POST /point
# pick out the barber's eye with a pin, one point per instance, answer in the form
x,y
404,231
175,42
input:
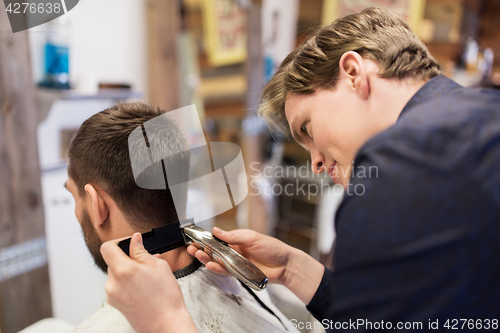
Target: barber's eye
x,y
304,128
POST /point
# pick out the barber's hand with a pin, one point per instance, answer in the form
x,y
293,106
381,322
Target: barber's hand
x,y
144,289
269,254
281,263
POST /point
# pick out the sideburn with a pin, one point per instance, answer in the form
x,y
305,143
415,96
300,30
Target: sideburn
x,y
93,241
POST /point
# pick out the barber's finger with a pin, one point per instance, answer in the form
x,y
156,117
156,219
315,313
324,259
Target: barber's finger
x,y
237,237
202,257
206,260
192,250
110,288
110,251
216,268
137,250
112,254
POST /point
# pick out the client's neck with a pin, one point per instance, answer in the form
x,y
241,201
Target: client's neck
x,y
177,258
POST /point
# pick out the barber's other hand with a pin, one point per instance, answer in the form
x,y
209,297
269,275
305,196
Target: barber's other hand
x,y
144,289
282,263
269,254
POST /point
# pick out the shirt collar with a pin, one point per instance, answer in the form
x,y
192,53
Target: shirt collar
x,y
189,269
436,87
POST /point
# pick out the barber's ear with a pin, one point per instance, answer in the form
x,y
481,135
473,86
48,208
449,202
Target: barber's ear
x,y
100,209
353,72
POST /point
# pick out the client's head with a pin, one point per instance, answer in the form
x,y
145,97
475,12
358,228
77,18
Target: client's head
x,y
108,203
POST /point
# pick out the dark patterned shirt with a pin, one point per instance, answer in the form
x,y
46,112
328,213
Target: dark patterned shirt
x,y
421,243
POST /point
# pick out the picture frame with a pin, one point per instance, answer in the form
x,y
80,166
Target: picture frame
x,y
225,37
411,10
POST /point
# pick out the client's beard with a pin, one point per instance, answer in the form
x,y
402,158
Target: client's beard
x,y
93,241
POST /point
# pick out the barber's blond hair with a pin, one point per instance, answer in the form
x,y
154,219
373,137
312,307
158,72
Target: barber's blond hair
x,y
374,33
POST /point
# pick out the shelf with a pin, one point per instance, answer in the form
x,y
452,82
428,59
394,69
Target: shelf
x,y
45,97
115,94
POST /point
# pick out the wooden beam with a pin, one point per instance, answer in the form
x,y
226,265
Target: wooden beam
x,y
257,213
164,22
24,299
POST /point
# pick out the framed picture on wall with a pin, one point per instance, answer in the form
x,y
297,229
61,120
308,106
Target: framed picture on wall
x,y
410,10
224,26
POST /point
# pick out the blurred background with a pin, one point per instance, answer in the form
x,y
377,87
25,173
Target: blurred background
x,y
216,54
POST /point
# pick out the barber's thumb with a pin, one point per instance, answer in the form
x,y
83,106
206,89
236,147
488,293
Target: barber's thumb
x,y
230,237
234,237
137,250
218,232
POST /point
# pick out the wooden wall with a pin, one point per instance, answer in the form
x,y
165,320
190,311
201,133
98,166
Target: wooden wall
x,y
163,26
24,299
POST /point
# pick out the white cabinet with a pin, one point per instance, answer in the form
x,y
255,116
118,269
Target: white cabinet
x,y
77,285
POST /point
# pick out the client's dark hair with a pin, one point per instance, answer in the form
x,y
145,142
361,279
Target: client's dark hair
x,y
99,154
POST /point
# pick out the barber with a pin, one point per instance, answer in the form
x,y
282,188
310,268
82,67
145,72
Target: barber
x,y
417,238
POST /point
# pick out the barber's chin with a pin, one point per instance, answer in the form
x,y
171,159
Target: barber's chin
x,y
343,182
340,181
337,173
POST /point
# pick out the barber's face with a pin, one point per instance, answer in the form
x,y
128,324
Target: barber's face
x,y
332,125
90,235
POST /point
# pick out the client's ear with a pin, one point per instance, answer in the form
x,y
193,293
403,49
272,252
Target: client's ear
x,y
100,209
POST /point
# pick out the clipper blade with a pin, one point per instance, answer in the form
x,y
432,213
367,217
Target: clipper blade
x,y
185,223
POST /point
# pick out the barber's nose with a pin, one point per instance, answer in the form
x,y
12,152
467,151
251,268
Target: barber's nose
x,y
317,162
